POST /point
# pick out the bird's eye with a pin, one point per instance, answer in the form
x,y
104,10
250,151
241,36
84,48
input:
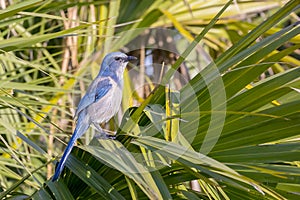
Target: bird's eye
x,y
117,58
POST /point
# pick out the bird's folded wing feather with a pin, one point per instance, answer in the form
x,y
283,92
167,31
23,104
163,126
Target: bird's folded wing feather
x,y
94,93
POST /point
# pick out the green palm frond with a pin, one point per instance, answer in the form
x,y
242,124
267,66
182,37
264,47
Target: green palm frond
x,y
217,119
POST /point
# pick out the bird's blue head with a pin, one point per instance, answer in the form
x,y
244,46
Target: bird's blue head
x,y
114,64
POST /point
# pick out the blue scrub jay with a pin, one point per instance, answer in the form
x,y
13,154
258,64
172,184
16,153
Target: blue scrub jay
x,y
101,101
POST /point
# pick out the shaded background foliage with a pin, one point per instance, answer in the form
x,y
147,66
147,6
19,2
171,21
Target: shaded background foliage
x,y
50,51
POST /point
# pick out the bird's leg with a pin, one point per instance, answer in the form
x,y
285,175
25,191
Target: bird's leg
x,y
103,134
111,134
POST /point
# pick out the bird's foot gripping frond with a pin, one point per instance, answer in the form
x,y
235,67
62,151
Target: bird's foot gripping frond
x,y
104,135
112,137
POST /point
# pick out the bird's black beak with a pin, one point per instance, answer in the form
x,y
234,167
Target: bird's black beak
x,y
129,58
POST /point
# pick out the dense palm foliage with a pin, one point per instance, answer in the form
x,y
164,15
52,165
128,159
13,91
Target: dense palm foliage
x,y
210,111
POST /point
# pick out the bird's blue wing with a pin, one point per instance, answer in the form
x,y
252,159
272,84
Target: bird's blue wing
x,y
102,89
94,93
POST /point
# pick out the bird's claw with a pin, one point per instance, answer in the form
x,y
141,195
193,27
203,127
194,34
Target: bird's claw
x,y
112,137
105,136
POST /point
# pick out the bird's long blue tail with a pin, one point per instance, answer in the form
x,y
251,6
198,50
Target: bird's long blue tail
x,y
79,131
